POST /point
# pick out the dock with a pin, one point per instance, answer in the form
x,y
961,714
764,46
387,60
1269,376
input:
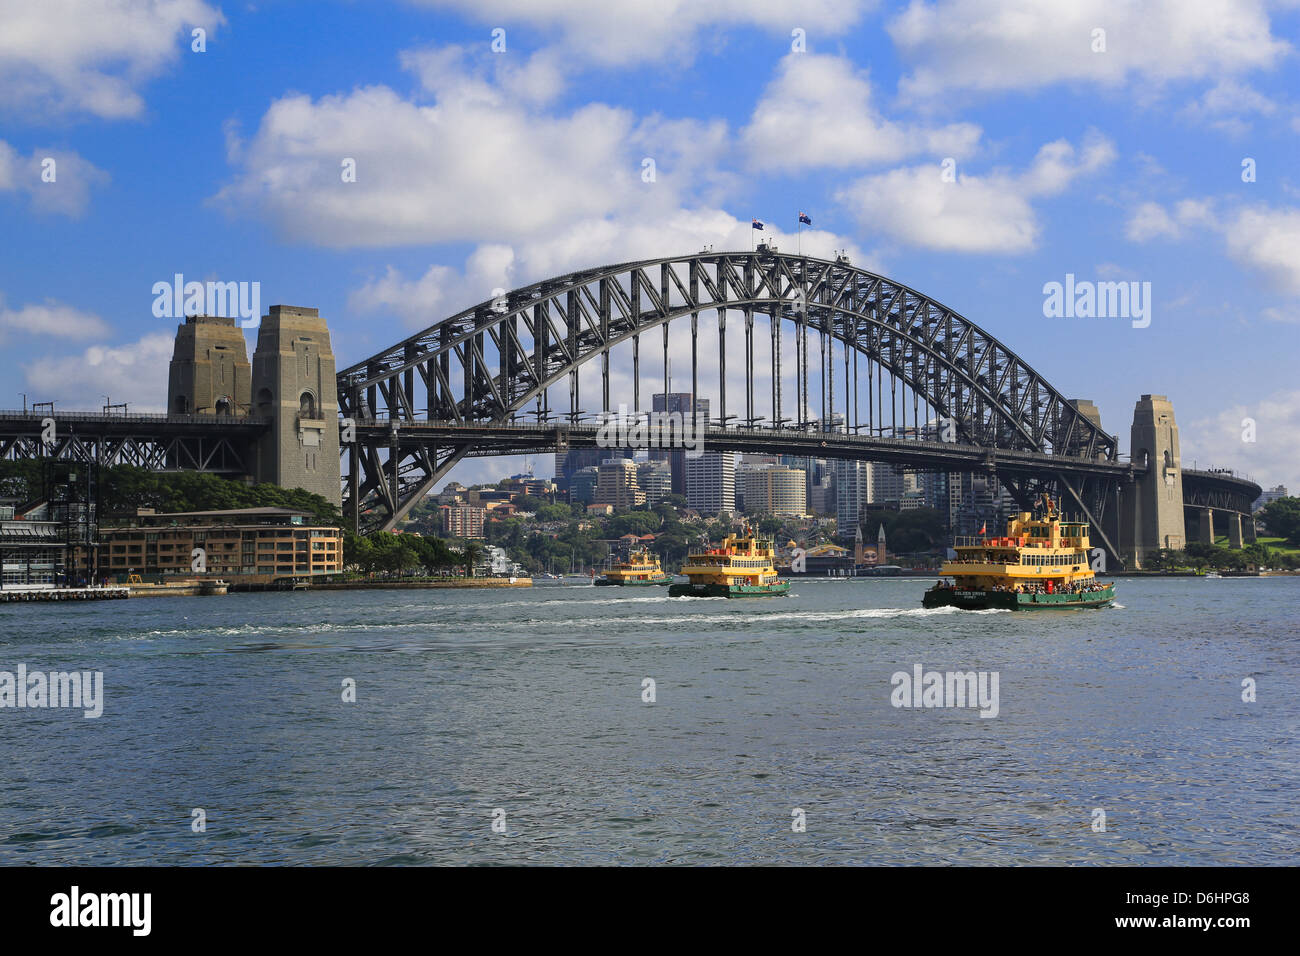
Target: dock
x,y
11,595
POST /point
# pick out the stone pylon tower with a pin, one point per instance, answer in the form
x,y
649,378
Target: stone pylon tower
x,y
294,385
209,372
1151,514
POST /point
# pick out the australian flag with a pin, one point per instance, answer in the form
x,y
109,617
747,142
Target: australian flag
x,y
805,219
757,225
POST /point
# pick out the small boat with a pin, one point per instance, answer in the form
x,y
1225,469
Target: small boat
x,y
1212,574
641,569
742,566
1041,563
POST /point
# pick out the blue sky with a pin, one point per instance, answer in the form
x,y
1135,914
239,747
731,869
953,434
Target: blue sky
x,y
479,169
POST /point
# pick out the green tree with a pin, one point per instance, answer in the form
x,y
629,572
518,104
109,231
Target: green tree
x,y
471,552
1282,518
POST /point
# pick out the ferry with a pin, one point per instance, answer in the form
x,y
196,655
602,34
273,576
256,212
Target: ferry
x,y
742,566
641,569
1041,563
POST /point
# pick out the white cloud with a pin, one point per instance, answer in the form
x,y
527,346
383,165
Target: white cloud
x,y
818,111
454,72
89,56
441,291
1150,220
51,318
996,45
416,181
135,373
625,32
54,180
1227,106
1260,237
1267,240
1216,441
992,213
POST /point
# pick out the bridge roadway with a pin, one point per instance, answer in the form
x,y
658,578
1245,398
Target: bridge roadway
x,y
520,439
225,445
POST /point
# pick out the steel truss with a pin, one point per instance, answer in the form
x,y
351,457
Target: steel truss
x,y
488,364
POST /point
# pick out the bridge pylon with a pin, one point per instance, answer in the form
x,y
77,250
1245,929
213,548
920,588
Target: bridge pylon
x,y
294,384
1151,514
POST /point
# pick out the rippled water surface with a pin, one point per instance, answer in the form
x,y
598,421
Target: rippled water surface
x,y
531,701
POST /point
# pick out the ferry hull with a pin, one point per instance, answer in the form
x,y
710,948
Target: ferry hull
x,y
777,589
648,583
976,600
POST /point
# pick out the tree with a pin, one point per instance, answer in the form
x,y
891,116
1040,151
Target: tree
x,y
470,556
1282,518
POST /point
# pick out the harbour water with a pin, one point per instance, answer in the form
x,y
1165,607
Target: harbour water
x,y
528,707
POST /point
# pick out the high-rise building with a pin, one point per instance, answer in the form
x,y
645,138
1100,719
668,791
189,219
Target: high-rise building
x,y
821,496
569,463
616,484
888,483
773,489
582,485
711,482
852,488
681,403
655,479
463,521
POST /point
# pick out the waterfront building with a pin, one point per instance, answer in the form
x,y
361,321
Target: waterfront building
x,y
240,545
32,546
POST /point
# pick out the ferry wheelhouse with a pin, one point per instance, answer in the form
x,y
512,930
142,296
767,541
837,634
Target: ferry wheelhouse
x,y
742,566
1041,563
641,569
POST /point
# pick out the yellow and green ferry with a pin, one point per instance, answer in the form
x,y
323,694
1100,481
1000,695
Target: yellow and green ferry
x,y
742,566
1041,563
641,569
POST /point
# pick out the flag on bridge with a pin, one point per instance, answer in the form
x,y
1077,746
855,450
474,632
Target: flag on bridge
x,y
805,219
757,225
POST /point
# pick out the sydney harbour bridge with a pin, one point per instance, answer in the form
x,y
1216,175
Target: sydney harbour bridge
x,y
880,372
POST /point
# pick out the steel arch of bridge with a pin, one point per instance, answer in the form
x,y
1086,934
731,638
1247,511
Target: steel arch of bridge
x,y
484,365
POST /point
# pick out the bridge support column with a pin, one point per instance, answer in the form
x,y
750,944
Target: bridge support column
x,y
295,386
1234,529
1248,525
1206,528
1152,513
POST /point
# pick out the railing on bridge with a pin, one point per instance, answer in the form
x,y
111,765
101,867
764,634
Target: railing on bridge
x,y
142,417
